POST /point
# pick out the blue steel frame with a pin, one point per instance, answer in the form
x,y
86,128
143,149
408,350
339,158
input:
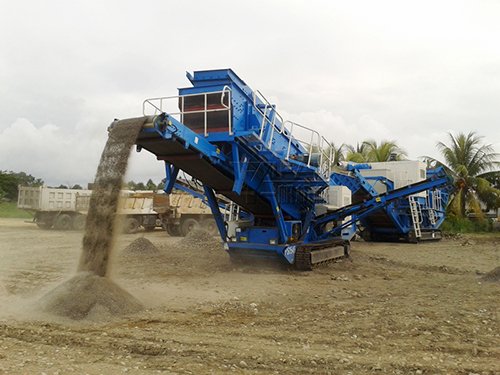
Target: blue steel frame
x,y
254,154
398,211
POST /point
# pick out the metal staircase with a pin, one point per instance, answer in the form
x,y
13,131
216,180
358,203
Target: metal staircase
x,y
416,215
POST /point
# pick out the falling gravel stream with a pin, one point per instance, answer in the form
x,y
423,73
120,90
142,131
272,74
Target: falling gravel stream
x,y
90,287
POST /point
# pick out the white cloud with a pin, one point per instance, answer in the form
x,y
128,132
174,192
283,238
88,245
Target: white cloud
x,y
58,157
49,152
350,70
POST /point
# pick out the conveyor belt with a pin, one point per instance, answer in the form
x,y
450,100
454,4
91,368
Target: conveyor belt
x,y
188,160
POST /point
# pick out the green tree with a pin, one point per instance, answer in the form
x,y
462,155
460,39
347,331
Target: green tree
x,y
356,154
130,185
140,186
383,151
10,180
494,179
471,163
371,151
161,185
150,185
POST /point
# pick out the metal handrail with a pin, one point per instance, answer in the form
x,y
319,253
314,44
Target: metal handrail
x,y
158,105
265,116
329,158
437,200
309,146
435,205
271,118
227,89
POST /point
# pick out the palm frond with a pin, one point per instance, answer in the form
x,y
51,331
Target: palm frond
x,y
470,162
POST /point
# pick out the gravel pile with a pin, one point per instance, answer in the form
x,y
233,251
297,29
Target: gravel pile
x,y
453,236
492,276
86,293
141,246
200,239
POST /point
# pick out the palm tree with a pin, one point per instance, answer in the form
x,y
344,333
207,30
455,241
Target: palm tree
x,y
383,151
356,154
333,155
470,163
370,151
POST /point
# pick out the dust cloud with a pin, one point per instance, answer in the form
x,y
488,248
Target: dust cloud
x,y
90,288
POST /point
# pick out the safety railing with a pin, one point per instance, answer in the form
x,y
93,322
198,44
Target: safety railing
x,y
270,117
189,108
432,216
434,204
319,151
437,200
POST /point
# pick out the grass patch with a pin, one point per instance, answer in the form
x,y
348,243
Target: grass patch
x,y
10,210
454,225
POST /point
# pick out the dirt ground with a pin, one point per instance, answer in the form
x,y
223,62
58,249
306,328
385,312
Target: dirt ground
x,y
391,308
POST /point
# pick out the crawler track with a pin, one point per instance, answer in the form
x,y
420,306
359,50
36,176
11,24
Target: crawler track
x,y
308,257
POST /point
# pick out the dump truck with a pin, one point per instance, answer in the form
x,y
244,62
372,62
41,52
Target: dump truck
x,y
182,212
52,207
66,209
135,209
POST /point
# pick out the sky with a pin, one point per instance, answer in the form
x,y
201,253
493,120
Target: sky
x,y
409,71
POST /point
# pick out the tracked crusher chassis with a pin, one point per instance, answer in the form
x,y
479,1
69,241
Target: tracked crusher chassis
x,y
232,140
308,257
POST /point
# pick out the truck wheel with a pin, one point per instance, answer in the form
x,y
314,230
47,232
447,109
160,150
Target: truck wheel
x,y
79,222
63,222
210,226
44,225
173,230
189,225
131,226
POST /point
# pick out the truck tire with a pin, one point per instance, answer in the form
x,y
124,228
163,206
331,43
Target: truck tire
x,y
173,230
131,226
44,225
210,226
79,222
188,225
63,222
43,221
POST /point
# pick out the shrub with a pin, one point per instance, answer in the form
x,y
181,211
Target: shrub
x,y
453,224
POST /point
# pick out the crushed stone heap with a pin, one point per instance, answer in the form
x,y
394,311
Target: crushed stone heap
x,y
200,239
80,295
141,245
492,276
